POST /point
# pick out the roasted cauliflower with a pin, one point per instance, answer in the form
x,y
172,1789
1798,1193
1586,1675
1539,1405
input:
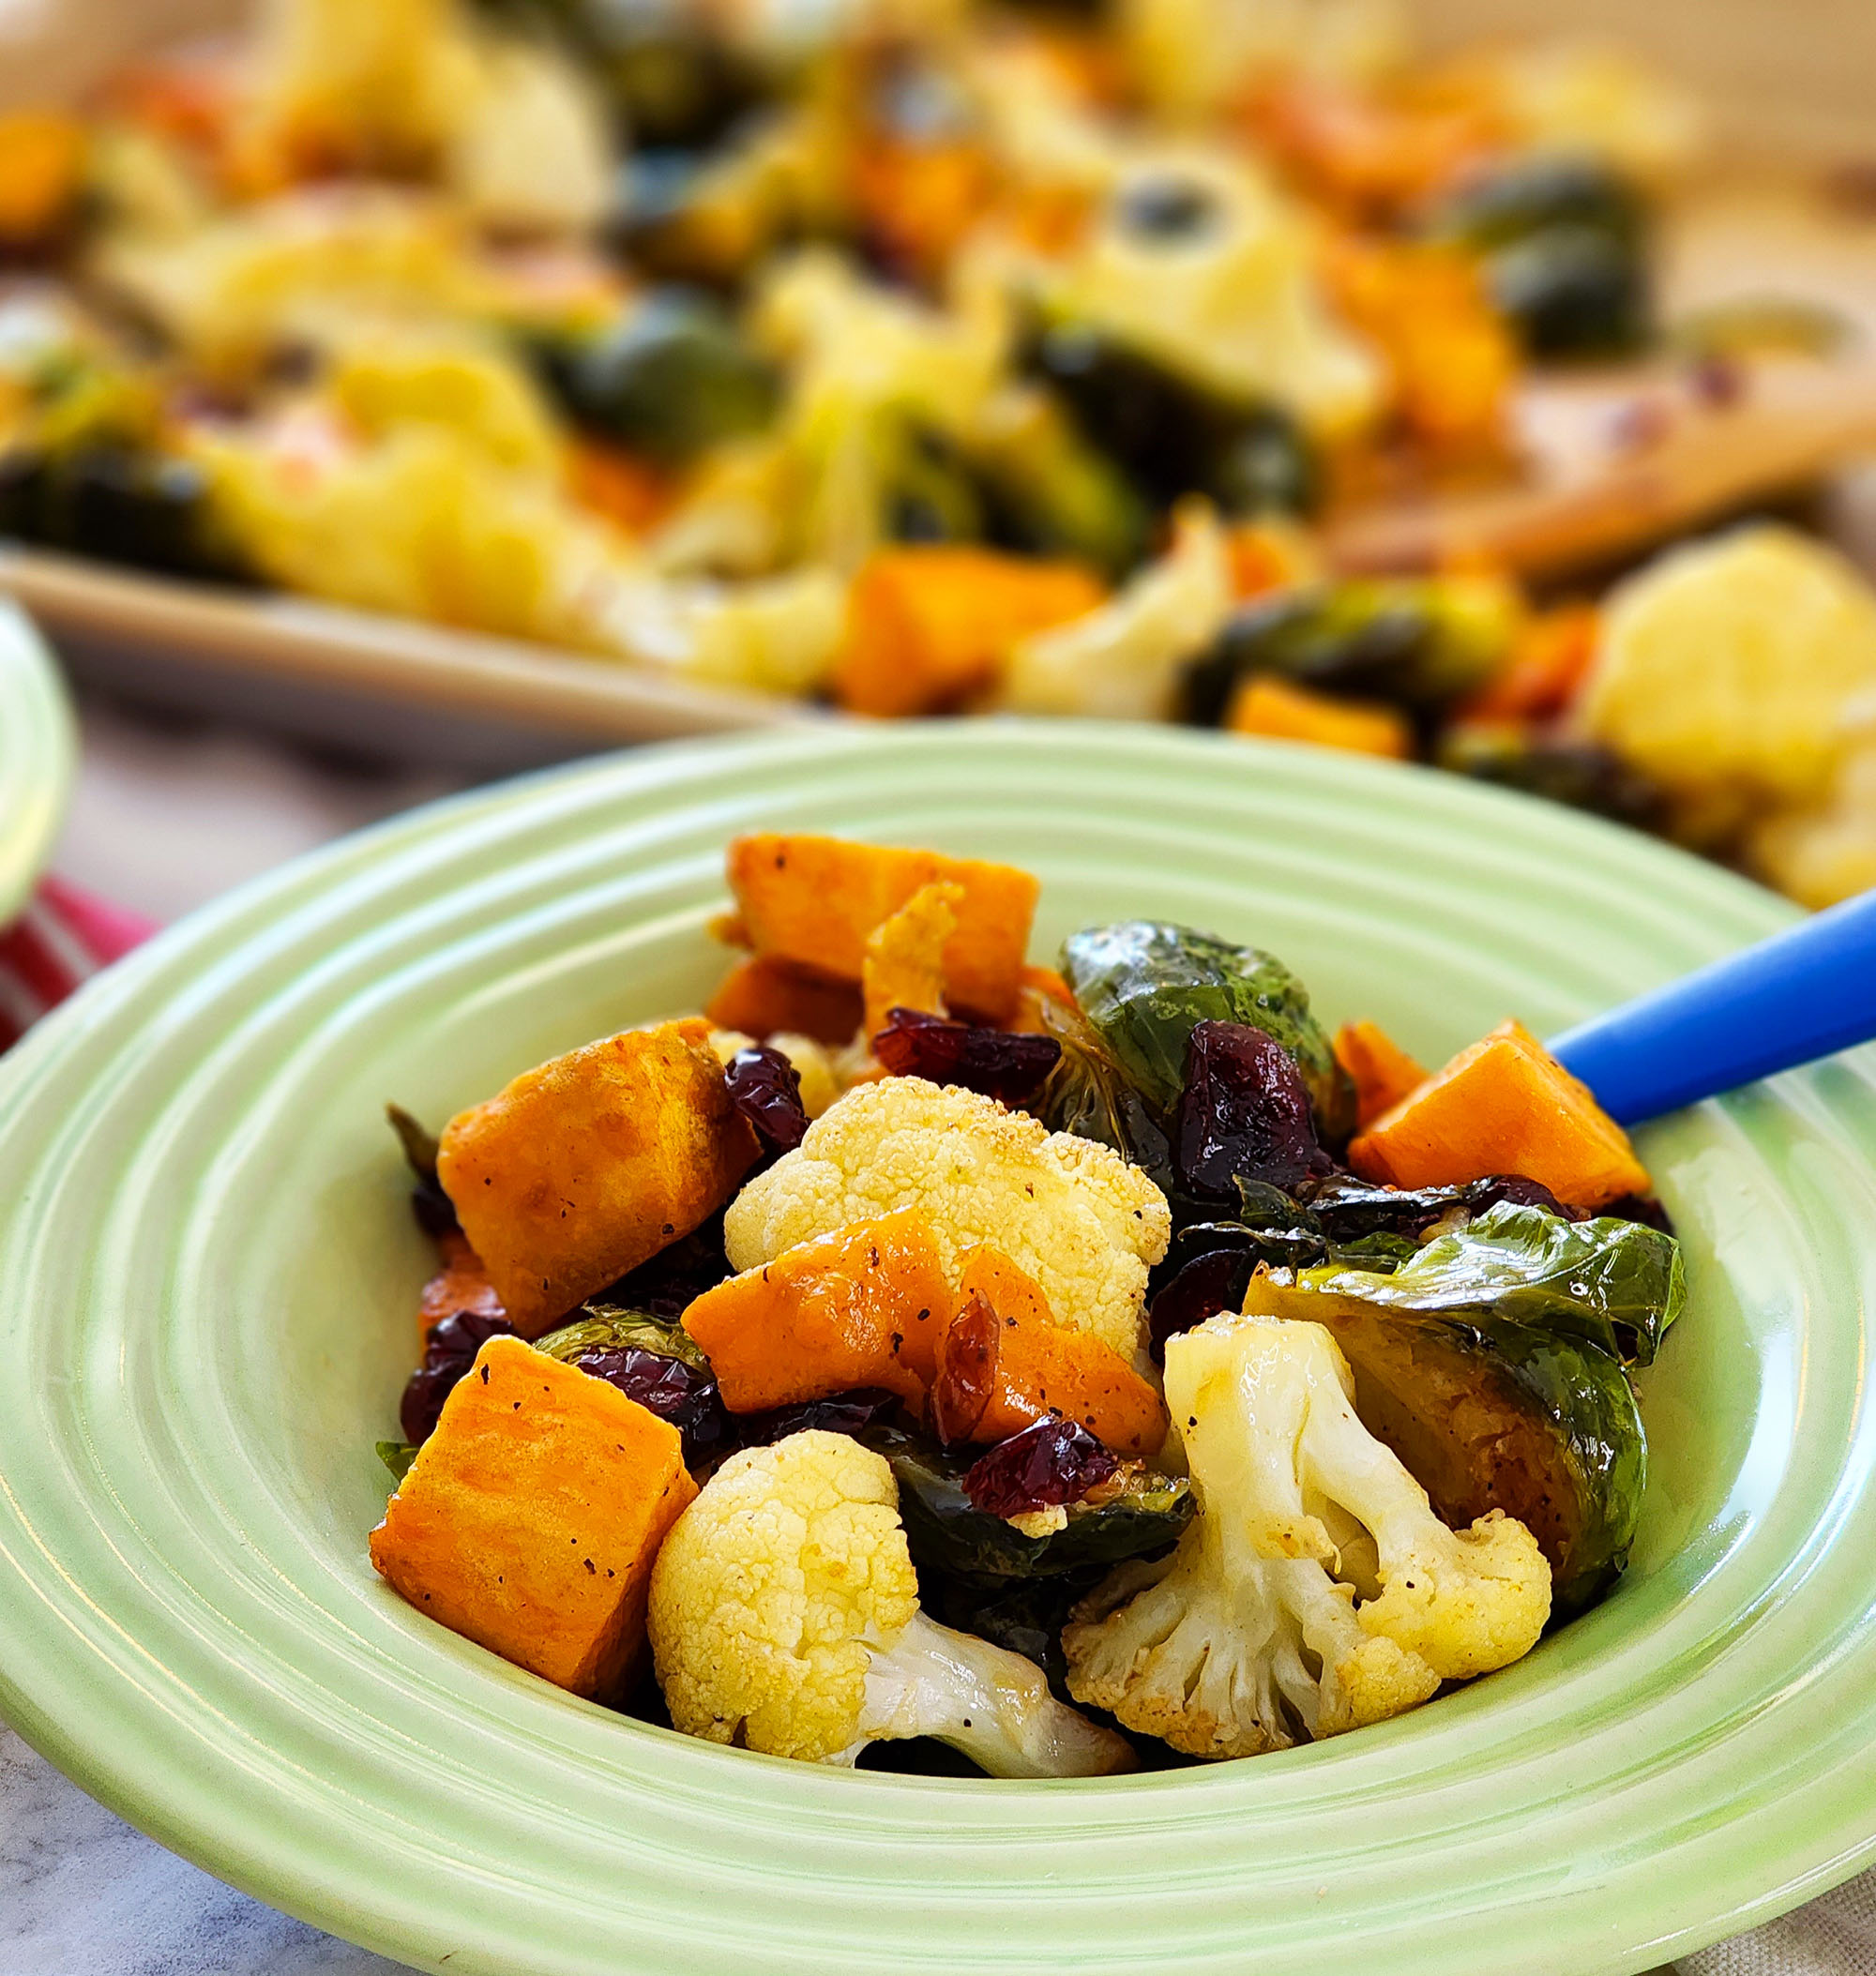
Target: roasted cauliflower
x,y
785,1618
1255,1633
1072,1215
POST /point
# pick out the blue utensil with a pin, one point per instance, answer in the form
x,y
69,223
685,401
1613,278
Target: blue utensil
x,y
1800,995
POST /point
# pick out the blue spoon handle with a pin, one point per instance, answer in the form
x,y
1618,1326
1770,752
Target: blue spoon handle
x,y
1800,995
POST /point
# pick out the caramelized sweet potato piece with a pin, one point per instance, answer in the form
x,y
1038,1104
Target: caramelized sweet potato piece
x,y
1503,1106
813,901
1273,708
862,1306
42,154
530,1518
588,1164
461,1283
929,623
767,996
1004,1362
1384,1073
904,963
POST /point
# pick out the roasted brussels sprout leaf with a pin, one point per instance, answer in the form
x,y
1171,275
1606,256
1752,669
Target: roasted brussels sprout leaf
x,y
119,501
611,1327
1089,1094
667,378
1170,434
1581,773
1137,1513
1491,1414
1418,643
1046,491
842,1413
397,1455
1347,1209
435,1211
1617,1285
1144,985
1533,194
1574,292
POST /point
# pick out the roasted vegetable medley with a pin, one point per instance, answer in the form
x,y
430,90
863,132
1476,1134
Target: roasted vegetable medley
x,y
923,356
1080,1369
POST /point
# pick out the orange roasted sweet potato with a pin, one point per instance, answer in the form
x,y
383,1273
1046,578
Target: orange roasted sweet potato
x,y
1503,1106
767,996
461,1283
1384,1073
931,622
588,1164
1004,1362
42,154
862,1306
813,901
1281,711
530,1518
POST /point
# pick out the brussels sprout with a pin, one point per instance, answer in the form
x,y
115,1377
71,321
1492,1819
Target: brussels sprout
x,y
607,1327
1491,1414
1048,492
1173,436
1534,194
1565,253
1139,1514
926,494
1615,1285
120,503
435,1211
397,1455
1573,291
1417,641
1579,773
667,380
1144,986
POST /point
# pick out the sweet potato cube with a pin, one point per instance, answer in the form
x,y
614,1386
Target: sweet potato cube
x,y
1384,1073
929,623
862,1306
1004,1362
1275,708
531,1517
767,996
1503,1106
814,900
586,1166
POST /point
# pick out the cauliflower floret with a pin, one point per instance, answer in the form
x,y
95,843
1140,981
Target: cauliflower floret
x,y
1072,1215
1122,661
1248,1638
1728,671
785,1618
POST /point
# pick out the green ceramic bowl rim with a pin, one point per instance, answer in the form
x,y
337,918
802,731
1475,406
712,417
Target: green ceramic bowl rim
x,y
36,752
1675,1769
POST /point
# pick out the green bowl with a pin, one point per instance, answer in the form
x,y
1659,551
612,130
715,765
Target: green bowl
x,y
207,1279
36,756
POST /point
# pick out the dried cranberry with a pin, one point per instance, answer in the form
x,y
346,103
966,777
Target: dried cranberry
x,y
1201,1288
1003,1065
672,1280
687,1398
844,1413
1644,1208
765,1089
449,1349
1243,1113
1049,1463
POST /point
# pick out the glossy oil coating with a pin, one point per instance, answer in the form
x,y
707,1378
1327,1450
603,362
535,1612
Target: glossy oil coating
x,y
206,1272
